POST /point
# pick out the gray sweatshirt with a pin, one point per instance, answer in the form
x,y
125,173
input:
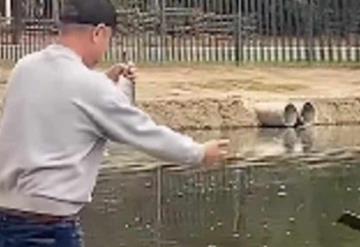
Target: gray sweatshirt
x,y
57,117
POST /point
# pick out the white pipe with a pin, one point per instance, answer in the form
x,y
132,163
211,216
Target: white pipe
x,y
8,11
276,114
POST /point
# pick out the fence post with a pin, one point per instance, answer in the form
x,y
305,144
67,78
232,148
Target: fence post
x,y
8,11
56,11
162,30
17,22
238,33
310,44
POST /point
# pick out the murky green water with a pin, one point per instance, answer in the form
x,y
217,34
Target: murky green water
x,y
287,189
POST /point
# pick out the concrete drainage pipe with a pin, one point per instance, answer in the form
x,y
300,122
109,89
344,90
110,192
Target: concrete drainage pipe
x,y
307,113
277,114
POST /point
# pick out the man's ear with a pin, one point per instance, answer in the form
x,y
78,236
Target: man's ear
x,y
98,31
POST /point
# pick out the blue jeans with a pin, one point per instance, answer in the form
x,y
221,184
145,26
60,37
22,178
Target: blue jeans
x,y
20,232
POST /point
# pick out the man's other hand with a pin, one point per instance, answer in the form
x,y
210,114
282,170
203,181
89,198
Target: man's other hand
x,y
215,151
126,70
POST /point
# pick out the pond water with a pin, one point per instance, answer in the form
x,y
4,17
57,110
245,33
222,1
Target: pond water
x,y
285,188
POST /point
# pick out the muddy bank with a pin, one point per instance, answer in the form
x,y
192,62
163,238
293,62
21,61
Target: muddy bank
x,y
201,113
235,111
214,97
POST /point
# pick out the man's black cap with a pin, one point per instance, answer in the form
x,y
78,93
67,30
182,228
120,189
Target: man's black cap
x,y
92,12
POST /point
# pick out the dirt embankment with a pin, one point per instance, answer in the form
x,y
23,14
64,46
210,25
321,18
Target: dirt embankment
x,y
211,97
218,96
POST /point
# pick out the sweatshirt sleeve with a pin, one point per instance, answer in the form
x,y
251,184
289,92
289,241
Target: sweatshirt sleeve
x,y
119,121
126,87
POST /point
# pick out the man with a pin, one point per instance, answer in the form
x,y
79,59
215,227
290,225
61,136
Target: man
x,y
57,117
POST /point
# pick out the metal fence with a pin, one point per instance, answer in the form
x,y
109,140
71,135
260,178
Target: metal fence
x,y
234,31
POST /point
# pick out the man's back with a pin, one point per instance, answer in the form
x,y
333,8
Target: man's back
x,y
43,130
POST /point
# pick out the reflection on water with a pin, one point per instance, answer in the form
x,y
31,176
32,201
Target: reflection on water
x,y
287,189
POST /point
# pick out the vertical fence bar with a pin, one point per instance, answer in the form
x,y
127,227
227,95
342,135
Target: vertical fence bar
x,y
190,8
162,31
152,34
228,35
233,32
289,30
326,32
320,33
246,31
125,32
357,31
299,32
273,27
238,47
339,30
357,36
2,35
200,35
309,39
136,22
222,30
330,32
208,29
346,23
142,28
177,34
283,48
217,22
175,46
254,47
268,34
261,33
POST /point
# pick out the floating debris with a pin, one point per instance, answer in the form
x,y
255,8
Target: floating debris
x,y
180,194
148,185
282,194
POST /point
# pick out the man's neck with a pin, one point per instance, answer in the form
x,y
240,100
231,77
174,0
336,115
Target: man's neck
x,y
75,46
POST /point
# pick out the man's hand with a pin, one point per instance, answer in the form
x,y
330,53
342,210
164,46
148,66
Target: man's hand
x,y
126,70
215,151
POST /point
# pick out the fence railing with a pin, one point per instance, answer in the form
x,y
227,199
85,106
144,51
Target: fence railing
x,y
234,31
